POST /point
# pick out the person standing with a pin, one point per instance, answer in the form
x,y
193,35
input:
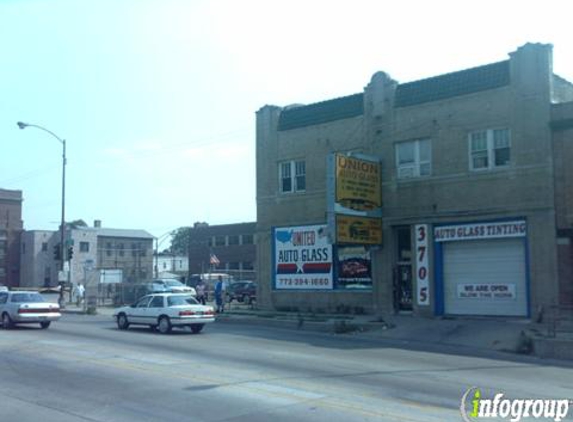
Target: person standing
x,y
200,289
219,295
80,291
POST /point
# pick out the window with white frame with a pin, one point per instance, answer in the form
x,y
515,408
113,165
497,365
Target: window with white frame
x,y
292,176
489,149
413,158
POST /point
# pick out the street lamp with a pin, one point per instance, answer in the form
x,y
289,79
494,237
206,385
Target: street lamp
x,y
22,125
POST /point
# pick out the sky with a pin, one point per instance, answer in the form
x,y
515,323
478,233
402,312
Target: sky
x,y
156,99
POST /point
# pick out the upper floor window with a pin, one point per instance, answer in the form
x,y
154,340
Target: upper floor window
x,y
219,240
84,247
292,176
44,246
413,158
233,239
247,239
489,149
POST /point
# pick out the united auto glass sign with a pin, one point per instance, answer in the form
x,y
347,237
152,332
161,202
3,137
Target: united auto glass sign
x,y
474,231
302,258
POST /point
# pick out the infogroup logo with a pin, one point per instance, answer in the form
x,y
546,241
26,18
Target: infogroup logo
x,y
475,407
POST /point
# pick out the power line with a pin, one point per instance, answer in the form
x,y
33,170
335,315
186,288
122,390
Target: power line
x,y
29,175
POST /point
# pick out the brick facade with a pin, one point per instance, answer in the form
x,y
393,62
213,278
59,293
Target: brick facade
x,y
515,95
232,244
10,228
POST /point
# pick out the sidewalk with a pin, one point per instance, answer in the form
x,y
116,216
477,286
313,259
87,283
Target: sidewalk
x,y
474,333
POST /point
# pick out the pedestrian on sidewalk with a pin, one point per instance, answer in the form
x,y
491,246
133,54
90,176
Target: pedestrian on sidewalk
x,y
79,294
200,289
219,295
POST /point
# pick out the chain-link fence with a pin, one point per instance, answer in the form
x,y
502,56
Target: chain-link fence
x,y
117,294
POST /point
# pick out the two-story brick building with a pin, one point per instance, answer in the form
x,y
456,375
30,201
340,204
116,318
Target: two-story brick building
x,y
232,245
126,252
10,228
476,204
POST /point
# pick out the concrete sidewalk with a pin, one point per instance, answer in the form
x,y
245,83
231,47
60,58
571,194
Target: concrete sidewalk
x,y
474,333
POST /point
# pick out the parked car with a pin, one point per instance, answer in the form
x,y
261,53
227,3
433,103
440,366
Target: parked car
x,y
242,291
166,285
165,311
3,288
21,307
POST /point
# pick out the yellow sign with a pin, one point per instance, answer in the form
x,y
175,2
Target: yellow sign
x,y
360,230
357,183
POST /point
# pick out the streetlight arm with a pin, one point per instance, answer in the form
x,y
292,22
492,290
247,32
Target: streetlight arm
x,y
23,125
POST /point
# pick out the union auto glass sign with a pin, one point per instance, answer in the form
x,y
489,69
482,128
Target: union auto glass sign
x,y
302,258
357,184
474,231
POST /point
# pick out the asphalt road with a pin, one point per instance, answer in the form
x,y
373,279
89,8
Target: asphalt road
x,y
83,369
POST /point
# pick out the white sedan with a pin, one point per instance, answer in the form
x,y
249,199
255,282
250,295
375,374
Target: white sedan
x,y
165,311
18,307
169,285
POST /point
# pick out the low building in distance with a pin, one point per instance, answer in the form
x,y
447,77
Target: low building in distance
x,y
119,255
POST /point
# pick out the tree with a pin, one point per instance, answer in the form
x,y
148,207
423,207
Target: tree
x,y
76,224
180,241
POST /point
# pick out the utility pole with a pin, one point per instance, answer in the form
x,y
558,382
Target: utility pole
x,y
23,125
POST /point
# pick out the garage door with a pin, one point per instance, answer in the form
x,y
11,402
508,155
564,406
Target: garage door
x,y
485,277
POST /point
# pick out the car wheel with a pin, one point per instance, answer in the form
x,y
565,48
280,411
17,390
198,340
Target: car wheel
x,y
7,322
196,328
164,325
122,322
45,324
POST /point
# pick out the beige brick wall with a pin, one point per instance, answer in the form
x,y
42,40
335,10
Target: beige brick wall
x,y
453,193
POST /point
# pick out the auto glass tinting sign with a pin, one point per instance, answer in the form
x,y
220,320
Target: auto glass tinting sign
x,y
303,258
475,231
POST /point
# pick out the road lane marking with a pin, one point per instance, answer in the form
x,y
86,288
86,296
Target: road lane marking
x,y
298,392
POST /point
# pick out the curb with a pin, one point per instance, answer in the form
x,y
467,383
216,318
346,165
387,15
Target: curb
x,y
553,348
342,326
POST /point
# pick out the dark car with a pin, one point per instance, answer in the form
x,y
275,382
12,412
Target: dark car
x,y
242,291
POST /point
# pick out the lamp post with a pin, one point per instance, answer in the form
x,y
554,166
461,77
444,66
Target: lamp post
x,y
22,125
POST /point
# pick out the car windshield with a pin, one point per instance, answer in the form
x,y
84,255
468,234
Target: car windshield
x,y
173,283
27,297
181,300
